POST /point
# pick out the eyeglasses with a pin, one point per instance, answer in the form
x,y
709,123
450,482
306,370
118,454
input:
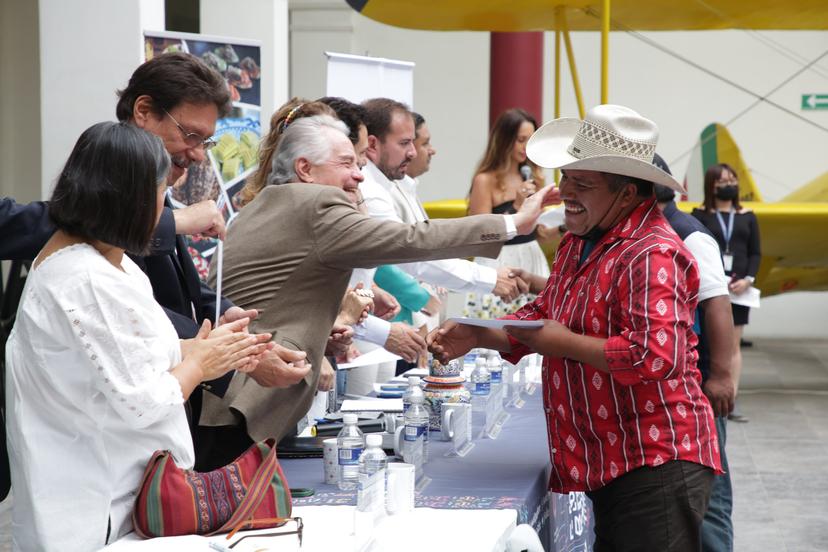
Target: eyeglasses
x,y
269,521
192,139
727,182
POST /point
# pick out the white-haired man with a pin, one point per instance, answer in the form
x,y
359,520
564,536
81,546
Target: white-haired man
x,y
628,422
290,254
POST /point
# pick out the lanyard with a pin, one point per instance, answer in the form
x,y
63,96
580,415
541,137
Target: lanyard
x,y
727,232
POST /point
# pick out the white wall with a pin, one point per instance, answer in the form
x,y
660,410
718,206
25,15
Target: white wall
x,y
794,315
88,50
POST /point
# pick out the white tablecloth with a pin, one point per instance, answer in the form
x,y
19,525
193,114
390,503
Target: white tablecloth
x,y
330,528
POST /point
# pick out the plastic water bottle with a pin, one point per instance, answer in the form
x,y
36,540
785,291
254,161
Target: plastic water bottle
x,y
415,444
349,445
480,387
471,357
495,367
481,380
413,389
372,464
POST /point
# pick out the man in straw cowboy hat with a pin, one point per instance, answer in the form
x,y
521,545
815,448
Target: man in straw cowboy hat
x,y
627,420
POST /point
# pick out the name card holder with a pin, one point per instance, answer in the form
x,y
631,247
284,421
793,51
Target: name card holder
x,y
457,421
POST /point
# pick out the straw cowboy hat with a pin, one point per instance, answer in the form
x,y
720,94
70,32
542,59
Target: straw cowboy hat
x,y
612,139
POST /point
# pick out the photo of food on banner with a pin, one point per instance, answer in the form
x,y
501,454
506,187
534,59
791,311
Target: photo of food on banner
x,y
234,158
238,64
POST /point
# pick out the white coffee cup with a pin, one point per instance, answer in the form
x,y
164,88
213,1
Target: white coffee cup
x,y
447,424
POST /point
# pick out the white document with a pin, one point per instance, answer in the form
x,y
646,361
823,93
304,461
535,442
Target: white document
x,y
377,356
498,324
748,298
372,405
553,217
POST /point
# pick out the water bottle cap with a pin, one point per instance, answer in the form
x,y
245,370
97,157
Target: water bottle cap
x,y
373,440
413,380
480,361
350,418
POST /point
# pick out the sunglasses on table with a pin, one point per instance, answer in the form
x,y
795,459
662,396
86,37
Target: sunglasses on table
x,y
253,523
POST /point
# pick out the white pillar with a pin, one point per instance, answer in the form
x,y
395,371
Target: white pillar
x,y
88,50
262,20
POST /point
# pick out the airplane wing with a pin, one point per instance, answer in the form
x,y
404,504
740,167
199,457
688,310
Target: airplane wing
x,y
584,15
793,243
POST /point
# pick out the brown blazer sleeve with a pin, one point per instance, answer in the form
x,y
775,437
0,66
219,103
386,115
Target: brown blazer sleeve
x,y
345,238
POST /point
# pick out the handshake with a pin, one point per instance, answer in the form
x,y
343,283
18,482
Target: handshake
x,y
512,282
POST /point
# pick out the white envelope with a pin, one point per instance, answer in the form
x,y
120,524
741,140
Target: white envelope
x,y
498,324
748,298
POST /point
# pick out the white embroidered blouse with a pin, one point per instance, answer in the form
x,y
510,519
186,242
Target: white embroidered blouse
x,y
89,398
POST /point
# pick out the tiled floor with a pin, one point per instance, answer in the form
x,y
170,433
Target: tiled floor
x,y
779,460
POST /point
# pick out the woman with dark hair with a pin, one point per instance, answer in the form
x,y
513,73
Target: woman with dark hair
x,y
503,180
96,377
737,231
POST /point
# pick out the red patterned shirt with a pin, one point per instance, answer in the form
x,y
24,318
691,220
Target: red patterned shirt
x,y
637,289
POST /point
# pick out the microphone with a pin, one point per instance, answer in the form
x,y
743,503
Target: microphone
x,y
526,172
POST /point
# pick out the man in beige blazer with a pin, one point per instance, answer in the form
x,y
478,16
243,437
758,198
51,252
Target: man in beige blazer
x,y
290,253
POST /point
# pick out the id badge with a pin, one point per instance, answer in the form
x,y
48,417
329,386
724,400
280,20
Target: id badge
x,y
727,261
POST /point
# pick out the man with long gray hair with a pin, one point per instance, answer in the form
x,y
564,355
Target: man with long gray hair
x,y
290,254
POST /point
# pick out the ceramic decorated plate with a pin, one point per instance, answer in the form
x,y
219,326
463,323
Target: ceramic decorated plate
x,y
451,380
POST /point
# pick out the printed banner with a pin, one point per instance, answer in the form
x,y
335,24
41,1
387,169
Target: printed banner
x,y
235,157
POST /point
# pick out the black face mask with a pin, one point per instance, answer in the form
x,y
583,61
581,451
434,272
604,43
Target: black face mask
x,y
727,193
596,232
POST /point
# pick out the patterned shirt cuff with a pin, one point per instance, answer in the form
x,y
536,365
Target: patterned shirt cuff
x,y
618,352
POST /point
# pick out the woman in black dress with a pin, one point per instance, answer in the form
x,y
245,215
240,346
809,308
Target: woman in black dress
x,y
737,232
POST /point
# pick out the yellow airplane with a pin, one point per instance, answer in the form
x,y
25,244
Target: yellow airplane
x,y
793,238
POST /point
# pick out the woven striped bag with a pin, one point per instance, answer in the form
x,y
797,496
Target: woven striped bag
x,y
173,502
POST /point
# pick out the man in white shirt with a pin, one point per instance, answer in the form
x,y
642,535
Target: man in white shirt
x,y
404,192
391,149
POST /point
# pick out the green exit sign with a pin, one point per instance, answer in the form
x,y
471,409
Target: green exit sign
x,y
814,101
